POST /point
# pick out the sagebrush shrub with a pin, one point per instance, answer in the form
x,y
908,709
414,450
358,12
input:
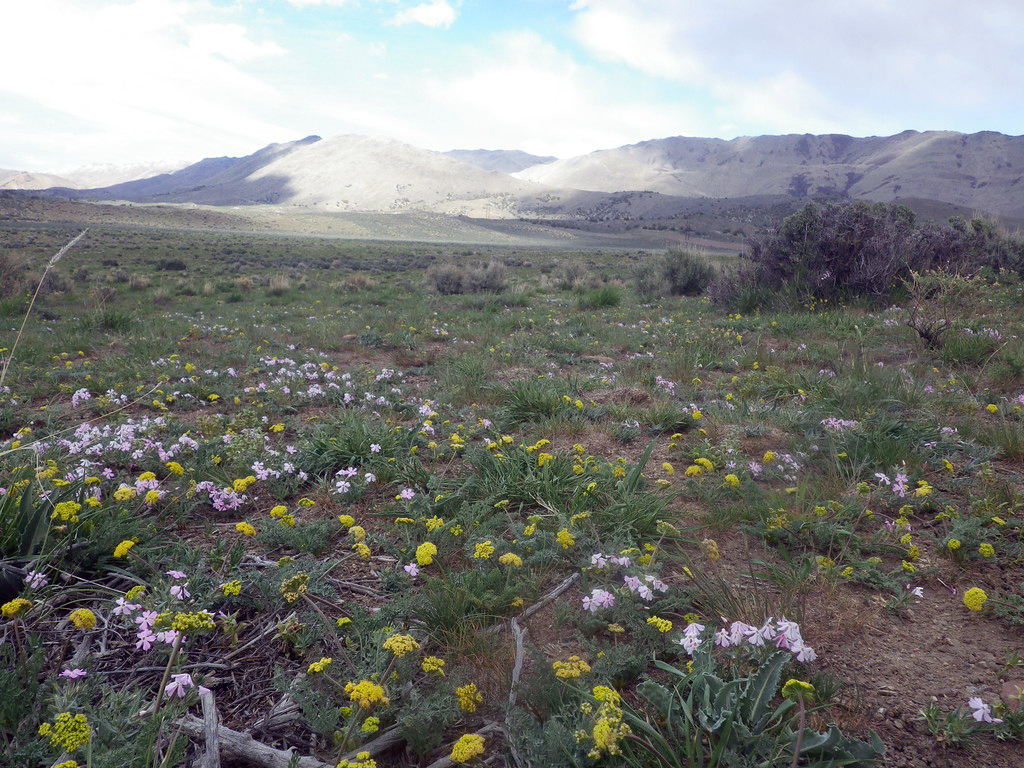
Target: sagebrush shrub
x,y
678,272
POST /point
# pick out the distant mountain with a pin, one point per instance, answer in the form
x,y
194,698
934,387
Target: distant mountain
x,y
980,170
106,174
655,179
10,179
344,173
500,160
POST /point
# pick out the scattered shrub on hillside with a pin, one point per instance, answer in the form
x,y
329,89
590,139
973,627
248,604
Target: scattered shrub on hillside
x,y
138,282
451,278
279,285
678,272
357,281
171,265
571,276
12,275
601,298
831,253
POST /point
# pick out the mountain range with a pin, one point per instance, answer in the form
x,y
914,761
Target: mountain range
x,y
980,171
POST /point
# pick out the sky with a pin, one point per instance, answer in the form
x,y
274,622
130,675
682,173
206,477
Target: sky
x,y
132,81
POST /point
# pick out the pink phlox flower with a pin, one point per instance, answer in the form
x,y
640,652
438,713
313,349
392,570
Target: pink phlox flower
x,y
722,638
36,579
176,574
899,487
178,684
412,569
638,587
599,598
124,608
145,621
981,711
805,653
407,493
145,639
167,636
657,583
73,674
693,630
738,632
598,560
625,562
883,478
180,591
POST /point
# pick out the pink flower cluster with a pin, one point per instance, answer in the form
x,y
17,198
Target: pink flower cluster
x,y
782,633
599,598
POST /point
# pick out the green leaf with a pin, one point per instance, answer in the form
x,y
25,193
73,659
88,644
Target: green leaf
x,y
761,688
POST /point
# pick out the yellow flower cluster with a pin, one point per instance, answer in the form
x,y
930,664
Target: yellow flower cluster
x,y
242,484
986,550
15,607
245,529
662,625
797,689
468,697
710,549
191,623
467,747
366,693
433,665
433,524
565,538
400,645
67,732
510,558
123,548
346,520
974,598
571,668
83,618
231,588
362,550
363,760
609,729
483,550
175,468
425,553
319,666
295,586
66,512
124,494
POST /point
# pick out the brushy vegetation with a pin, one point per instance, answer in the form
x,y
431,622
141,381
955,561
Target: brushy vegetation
x,y
382,523
843,252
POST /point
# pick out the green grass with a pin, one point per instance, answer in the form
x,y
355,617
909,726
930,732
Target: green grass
x,y
521,434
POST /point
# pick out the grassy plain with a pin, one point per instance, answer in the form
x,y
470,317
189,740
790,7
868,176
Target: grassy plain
x,y
369,516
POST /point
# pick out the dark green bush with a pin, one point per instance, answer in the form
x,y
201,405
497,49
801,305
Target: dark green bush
x,y
860,251
678,272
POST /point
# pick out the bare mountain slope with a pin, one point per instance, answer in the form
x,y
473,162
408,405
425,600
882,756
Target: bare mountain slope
x,y
501,160
982,170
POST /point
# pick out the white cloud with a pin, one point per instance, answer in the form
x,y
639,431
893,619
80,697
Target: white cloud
x,y
308,3
140,80
529,95
437,13
804,66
